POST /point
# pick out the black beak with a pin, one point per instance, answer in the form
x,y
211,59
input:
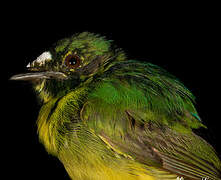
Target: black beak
x,y
39,75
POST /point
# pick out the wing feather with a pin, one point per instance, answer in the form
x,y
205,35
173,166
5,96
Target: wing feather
x,y
182,153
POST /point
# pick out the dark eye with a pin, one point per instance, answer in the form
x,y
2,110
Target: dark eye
x,y
72,61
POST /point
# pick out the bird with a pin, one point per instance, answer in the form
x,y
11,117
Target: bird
x,y
108,117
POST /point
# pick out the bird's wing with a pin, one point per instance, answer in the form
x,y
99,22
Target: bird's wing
x,y
184,154
143,111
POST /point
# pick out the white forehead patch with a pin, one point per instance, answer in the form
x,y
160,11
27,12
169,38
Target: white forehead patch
x,y
45,56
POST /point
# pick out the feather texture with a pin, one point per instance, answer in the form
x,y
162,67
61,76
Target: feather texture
x,y
140,118
112,118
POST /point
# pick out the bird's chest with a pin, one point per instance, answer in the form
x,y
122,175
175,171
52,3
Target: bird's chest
x,y
55,121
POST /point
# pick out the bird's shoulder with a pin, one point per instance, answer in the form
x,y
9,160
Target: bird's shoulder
x,y
155,93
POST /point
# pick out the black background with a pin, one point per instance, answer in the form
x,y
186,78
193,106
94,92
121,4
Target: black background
x,y
184,39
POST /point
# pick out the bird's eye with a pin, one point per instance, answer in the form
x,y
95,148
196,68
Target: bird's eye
x,y
72,61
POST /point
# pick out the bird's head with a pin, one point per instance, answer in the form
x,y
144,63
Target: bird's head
x,y
70,63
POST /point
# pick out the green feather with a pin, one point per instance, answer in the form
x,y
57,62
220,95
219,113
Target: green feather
x,y
110,117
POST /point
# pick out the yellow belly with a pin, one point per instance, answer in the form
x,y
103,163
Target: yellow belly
x,y
107,174
116,175
99,171
91,166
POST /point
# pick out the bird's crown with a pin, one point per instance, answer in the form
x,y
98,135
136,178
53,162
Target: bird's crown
x,y
83,52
